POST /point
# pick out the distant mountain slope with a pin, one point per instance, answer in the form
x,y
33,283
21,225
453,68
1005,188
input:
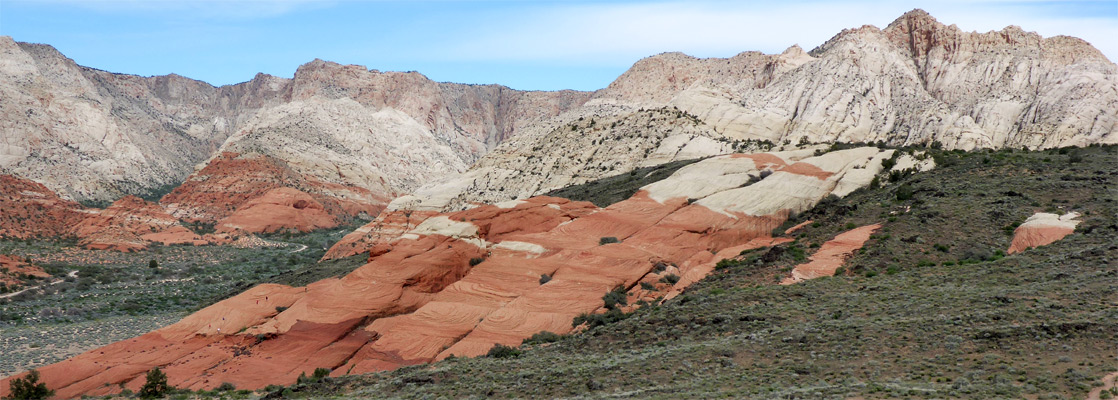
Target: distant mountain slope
x,y
916,82
92,135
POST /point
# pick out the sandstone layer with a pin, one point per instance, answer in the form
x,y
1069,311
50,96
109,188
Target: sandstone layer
x,y
280,209
442,284
831,255
129,224
1041,229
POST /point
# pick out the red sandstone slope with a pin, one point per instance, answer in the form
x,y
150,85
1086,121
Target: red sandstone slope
x,y
32,210
231,180
1041,229
129,224
278,209
831,255
457,283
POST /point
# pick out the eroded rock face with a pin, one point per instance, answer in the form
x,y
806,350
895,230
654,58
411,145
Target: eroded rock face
x,y
916,82
457,283
278,209
831,255
30,209
93,135
1041,229
230,180
578,152
129,224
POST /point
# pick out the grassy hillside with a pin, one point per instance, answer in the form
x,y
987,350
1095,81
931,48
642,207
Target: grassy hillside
x,y
932,308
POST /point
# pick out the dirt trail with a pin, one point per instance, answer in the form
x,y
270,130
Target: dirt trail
x,y
72,274
1108,382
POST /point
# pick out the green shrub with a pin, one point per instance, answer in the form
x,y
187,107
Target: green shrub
x,y
225,387
153,264
904,192
502,351
670,279
156,385
475,261
29,387
608,240
616,297
596,320
798,254
543,337
648,286
320,373
545,278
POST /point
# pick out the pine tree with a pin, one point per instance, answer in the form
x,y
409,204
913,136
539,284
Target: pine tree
x,y
156,385
29,387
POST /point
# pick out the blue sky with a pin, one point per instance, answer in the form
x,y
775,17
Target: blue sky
x,y
543,45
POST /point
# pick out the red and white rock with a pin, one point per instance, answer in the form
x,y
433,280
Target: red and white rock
x,y
1041,229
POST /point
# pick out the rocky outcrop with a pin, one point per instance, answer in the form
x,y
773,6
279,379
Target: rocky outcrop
x,y
280,209
1041,229
129,224
584,150
355,138
831,255
915,82
16,271
31,210
457,283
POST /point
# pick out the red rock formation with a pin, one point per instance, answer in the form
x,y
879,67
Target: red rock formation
x,y
129,224
831,255
798,226
13,271
278,209
1041,229
231,180
32,210
458,283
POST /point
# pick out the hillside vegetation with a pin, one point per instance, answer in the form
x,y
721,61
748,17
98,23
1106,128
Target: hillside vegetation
x,y
932,308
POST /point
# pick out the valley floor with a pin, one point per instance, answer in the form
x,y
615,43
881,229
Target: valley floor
x,y
115,296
